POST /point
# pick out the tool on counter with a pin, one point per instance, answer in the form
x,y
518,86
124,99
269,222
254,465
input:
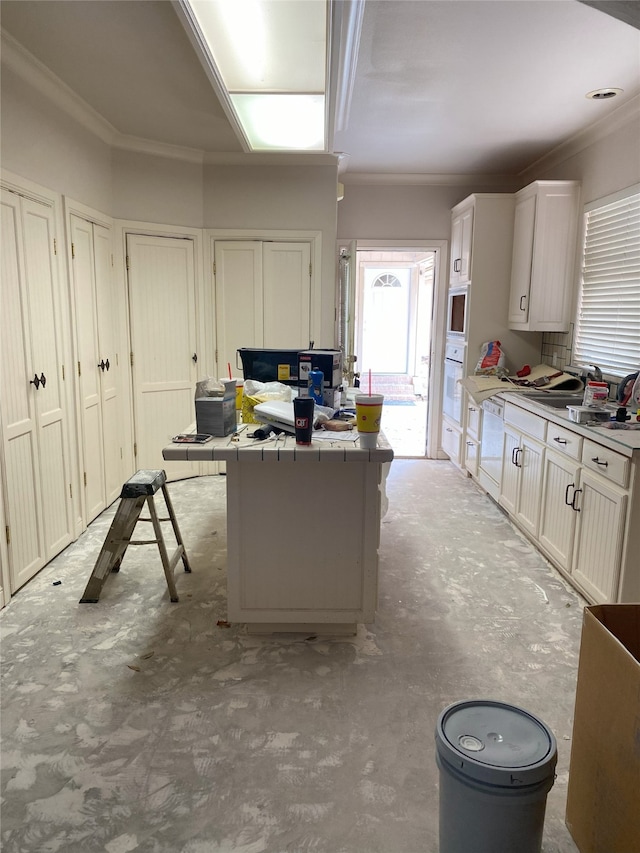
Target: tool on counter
x,y
264,432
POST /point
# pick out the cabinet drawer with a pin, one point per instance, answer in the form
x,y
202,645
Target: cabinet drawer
x,y
607,462
533,425
564,441
451,442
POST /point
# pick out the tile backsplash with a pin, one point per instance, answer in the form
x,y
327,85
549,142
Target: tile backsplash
x,y
557,348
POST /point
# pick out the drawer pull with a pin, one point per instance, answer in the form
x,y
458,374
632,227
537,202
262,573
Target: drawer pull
x,y
604,464
457,265
560,440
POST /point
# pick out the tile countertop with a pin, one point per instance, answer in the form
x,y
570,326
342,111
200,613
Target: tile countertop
x,y
280,449
626,442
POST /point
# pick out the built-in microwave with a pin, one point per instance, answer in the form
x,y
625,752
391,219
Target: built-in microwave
x,y
457,311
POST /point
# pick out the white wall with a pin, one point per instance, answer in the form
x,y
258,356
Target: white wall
x,y
42,144
281,198
149,188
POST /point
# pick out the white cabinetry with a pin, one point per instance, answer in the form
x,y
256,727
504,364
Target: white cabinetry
x,y
461,243
473,423
452,441
589,516
544,245
35,447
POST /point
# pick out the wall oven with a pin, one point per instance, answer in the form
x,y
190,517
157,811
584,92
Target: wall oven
x,y
453,373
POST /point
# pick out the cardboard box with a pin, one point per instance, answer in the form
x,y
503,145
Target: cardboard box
x,y
603,798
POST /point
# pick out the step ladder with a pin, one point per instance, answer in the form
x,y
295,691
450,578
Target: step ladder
x,y
136,492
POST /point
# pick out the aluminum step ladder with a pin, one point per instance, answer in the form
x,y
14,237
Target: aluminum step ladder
x,y
136,492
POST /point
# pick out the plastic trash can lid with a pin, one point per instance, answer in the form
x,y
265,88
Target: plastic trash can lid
x,y
497,743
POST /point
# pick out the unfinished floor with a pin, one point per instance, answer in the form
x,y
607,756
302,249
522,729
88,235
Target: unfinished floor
x,y
139,726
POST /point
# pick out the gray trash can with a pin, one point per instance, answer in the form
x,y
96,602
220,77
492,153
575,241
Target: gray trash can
x,y
497,765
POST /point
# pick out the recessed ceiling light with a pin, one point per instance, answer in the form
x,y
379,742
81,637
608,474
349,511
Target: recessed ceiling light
x,y
603,94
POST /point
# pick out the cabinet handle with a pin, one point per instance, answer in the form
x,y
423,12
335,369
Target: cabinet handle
x,y
469,444
560,440
522,299
448,429
573,501
515,459
566,494
457,265
604,464
471,409
35,381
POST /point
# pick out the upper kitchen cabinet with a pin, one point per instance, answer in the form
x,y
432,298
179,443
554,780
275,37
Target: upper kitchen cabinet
x,y
461,238
544,250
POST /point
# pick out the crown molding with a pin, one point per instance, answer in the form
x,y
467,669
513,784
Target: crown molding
x,y
613,121
33,72
425,179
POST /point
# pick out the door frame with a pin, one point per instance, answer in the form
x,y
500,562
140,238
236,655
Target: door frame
x,y
436,359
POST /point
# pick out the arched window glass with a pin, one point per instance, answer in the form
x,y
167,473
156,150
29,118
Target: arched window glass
x,y
387,279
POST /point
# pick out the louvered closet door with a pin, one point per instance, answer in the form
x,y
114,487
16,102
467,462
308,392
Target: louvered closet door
x,y
35,447
162,305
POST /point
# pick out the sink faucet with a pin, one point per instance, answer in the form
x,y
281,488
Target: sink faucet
x,y
596,376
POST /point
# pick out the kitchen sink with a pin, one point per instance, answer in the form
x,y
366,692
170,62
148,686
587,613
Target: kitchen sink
x,y
555,399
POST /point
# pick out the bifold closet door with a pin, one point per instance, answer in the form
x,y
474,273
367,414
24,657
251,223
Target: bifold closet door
x,y
98,363
34,418
263,293
162,310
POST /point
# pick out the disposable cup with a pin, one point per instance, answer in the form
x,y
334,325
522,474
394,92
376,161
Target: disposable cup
x,y
303,417
368,417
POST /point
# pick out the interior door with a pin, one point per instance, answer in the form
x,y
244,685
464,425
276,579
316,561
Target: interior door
x,y
287,295
263,297
162,307
238,274
34,417
91,415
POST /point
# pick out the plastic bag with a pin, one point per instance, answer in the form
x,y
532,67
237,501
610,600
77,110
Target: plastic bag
x,y
210,387
492,360
255,392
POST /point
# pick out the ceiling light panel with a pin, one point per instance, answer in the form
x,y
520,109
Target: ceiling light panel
x,y
266,45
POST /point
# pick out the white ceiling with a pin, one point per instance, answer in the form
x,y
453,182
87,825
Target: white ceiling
x,y
441,88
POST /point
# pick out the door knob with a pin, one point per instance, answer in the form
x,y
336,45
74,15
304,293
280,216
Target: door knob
x,y
194,358
43,379
101,365
35,381
107,365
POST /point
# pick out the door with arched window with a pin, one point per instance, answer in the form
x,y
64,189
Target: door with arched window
x,y
385,319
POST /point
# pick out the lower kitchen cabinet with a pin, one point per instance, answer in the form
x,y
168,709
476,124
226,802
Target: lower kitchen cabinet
x,y
601,509
578,501
452,441
521,483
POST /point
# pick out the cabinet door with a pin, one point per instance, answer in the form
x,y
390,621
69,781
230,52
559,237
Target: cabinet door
x,y
599,537
557,516
461,243
523,231
452,441
510,479
529,489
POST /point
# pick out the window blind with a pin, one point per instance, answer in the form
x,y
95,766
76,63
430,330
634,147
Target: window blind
x,y
608,321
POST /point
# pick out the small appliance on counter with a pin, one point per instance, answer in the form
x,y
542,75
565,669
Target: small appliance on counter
x,y
216,414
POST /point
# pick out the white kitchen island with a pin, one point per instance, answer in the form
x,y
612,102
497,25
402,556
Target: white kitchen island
x,y
303,530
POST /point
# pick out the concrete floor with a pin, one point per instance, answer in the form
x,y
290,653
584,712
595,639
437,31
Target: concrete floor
x,y
139,726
